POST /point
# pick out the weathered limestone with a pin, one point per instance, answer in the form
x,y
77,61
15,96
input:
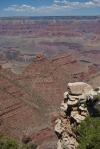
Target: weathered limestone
x,y
64,106
62,114
59,145
72,103
65,95
84,113
78,88
73,111
82,108
77,117
58,127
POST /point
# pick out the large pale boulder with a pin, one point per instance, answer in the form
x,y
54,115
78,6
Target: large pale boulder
x,y
78,88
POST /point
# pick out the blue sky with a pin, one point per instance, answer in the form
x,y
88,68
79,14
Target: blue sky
x,y
49,7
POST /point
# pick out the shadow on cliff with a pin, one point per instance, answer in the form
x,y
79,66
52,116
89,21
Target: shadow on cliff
x,y
93,107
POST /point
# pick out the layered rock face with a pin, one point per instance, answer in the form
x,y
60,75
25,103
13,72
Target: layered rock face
x,y
73,111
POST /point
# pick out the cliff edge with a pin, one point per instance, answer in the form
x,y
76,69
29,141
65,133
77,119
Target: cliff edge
x,y
76,106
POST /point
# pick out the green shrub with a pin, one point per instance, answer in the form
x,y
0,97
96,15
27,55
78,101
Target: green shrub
x,y
6,143
89,133
29,146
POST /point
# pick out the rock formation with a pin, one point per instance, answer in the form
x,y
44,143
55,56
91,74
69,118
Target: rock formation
x,y
73,111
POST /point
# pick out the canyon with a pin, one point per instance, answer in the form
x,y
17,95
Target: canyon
x,y
38,57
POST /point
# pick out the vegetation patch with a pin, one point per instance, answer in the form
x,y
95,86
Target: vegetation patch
x,y
8,143
89,134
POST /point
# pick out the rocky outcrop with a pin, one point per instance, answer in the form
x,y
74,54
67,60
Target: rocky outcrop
x,y
73,111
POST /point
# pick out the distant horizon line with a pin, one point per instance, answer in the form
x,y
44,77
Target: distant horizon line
x,y
49,16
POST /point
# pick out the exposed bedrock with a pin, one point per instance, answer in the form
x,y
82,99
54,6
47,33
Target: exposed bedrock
x,y
75,107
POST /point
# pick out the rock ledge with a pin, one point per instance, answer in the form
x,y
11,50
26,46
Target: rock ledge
x,y
73,111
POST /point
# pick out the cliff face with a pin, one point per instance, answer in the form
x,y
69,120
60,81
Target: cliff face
x,y
59,51
35,96
77,105
22,114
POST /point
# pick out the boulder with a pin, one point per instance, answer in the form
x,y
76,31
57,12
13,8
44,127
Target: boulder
x,y
78,88
58,127
66,95
82,108
73,98
77,117
69,143
82,97
75,109
72,103
63,106
73,113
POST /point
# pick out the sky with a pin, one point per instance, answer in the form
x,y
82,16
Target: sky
x,y
49,8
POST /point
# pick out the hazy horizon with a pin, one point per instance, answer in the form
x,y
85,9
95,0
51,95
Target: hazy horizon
x,y
64,16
